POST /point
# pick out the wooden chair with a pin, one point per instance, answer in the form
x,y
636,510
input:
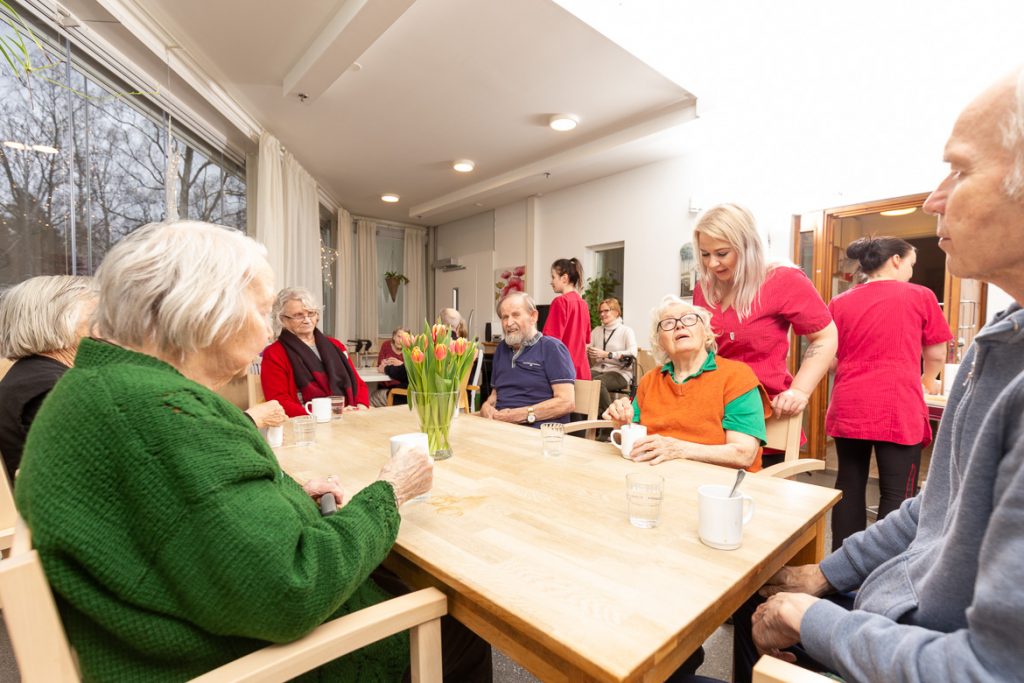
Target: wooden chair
x,y
772,670
8,513
467,391
44,655
784,435
588,400
5,365
255,389
644,363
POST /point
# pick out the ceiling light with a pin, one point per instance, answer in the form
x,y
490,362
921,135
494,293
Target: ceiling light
x,y
390,198
45,149
899,212
463,166
563,122
15,145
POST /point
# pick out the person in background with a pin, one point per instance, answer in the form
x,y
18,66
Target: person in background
x,y
391,362
304,363
697,406
886,325
42,321
753,304
569,316
611,350
533,378
452,319
940,582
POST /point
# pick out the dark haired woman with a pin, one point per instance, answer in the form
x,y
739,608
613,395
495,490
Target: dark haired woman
x,y
886,325
569,317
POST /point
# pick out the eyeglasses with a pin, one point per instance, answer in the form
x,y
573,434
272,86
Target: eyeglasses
x,y
308,315
605,310
669,324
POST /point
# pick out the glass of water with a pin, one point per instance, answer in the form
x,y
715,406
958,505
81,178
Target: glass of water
x,y
552,434
644,491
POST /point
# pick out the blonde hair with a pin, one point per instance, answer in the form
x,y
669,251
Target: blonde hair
x,y
703,314
736,225
300,294
613,304
42,314
178,286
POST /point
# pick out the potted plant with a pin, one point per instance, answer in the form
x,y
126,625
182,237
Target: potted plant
x,y
393,279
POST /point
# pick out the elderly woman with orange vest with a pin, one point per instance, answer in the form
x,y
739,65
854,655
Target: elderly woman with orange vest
x,y
698,406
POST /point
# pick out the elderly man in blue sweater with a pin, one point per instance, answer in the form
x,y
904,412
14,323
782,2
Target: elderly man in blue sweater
x,y
940,582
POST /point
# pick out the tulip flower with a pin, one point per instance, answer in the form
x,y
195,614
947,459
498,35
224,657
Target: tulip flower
x,y
417,355
440,351
458,346
438,330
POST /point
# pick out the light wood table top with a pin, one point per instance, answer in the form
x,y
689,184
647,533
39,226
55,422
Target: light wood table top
x,y
538,556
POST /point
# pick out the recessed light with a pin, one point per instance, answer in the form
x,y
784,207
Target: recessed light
x,y
45,149
563,122
15,145
390,198
463,166
899,212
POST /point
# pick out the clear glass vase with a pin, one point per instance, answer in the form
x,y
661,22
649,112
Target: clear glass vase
x,y
435,412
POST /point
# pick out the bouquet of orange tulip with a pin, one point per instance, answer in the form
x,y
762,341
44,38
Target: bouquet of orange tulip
x,y
436,365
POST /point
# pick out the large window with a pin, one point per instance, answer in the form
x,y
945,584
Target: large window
x,y
390,258
82,164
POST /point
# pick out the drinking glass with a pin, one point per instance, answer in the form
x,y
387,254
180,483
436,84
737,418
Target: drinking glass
x,y
552,434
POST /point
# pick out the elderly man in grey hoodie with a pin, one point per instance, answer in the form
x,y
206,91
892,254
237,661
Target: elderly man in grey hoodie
x,y
940,582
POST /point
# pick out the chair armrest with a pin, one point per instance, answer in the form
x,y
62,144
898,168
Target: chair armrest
x,y
334,639
790,468
772,670
588,424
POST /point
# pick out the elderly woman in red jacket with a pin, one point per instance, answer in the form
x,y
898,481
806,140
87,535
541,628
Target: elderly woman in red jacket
x,y
304,363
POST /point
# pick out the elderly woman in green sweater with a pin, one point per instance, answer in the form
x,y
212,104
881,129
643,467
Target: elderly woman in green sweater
x,y
172,539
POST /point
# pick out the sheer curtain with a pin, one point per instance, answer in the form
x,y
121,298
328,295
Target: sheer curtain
x,y
369,278
270,225
345,282
302,220
415,269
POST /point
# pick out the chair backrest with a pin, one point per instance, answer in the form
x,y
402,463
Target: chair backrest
x,y
772,670
474,380
8,513
464,397
255,389
588,398
644,363
784,435
5,365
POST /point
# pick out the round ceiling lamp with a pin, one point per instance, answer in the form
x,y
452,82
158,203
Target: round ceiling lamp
x,y
463,166
899,212
563,122
390,198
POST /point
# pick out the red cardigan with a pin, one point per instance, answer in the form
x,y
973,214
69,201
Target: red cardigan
x,y
278,379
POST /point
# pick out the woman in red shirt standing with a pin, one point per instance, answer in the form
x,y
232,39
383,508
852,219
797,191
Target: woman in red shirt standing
x,y
886,325
754,303
569,316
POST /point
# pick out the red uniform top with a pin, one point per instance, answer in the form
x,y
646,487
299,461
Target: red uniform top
x,y
278,379
569,322
786,298
877,395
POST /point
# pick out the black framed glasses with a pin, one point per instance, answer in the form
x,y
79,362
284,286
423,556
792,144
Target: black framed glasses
x,y
308,315
669,324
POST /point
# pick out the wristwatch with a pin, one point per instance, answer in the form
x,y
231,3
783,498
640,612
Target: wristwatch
x,y
530,417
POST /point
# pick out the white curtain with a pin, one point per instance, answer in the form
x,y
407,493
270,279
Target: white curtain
x,y
415,269
302,220
270,224
345,279
369,279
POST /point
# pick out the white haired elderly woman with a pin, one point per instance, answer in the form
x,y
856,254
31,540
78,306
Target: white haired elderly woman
x,y
171,538
699,406
304,363
41,322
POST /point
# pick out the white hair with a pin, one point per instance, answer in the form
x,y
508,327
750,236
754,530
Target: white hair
x,y
300,294
1013,141
703,314
531,306
179,286
42,314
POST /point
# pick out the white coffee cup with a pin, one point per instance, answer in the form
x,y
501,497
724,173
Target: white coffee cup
x,y
320,410
628,434
275,436
721,518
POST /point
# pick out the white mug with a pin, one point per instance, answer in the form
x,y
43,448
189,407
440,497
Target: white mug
x,y
275,436
721,519
412,439
320,410
628,434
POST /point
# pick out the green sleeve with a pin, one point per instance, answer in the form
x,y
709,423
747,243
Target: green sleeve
x,y
745,414
636,411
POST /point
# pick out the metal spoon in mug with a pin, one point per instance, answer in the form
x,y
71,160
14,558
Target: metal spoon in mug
x,y
739,477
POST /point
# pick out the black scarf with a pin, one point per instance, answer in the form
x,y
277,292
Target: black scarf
x,y
329,375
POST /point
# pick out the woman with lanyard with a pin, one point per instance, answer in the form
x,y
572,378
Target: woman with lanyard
x,y
754,303
612,347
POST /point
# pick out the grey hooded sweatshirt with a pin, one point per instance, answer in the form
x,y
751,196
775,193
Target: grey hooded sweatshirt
x,y
942,579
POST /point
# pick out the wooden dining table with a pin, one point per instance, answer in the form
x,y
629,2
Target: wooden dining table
x,y
537,556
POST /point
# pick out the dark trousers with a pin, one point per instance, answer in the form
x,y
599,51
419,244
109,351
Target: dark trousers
x,y
610,381
465,656
897,480
745,655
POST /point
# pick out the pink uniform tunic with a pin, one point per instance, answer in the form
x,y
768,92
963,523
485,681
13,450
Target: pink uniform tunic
x,y
569,322
877,395
761,341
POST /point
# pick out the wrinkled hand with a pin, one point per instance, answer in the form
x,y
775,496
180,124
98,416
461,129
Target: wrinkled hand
x,y
776,623
321,487
656,449
507,415
269,414
789,403
410,472
355,409
807,578
488,410
931,386
620,412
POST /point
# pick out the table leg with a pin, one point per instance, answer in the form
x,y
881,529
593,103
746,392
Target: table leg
x,y
813,551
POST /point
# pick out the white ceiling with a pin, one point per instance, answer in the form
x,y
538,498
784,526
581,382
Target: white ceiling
x,y
440,80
